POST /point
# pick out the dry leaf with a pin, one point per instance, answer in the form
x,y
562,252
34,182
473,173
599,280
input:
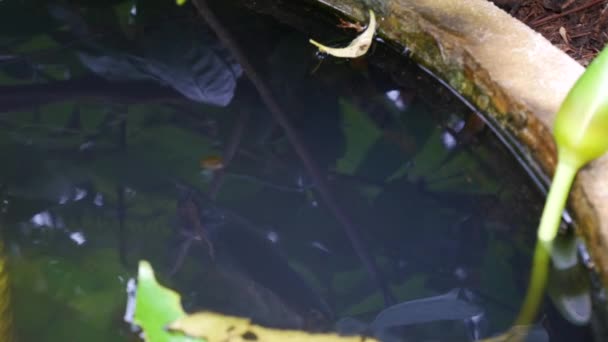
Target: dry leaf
x,y
358,47
562,32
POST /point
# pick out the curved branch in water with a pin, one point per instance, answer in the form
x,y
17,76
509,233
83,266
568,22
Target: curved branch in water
x,y
278,114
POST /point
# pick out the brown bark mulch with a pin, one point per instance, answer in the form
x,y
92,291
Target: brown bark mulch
x,y
577,27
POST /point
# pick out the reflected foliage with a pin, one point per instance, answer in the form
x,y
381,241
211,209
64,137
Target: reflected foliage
x,y
104,109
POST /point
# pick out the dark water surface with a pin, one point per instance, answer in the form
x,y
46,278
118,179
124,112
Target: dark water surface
x,y
129,132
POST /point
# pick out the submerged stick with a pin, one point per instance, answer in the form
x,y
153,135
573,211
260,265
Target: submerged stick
x,y
231,148
278,114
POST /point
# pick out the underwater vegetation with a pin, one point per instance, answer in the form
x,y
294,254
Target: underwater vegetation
x,y
370,203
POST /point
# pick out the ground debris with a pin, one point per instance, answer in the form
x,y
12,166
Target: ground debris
x,y
585,22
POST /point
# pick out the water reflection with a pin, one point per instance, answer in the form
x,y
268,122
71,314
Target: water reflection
x,y
155,147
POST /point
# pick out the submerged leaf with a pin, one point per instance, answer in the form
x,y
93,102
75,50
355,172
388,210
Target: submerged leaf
x,y
358,47
360,133
215,328
443,307
156,306
160,314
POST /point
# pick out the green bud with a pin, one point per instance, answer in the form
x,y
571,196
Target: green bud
x,y
581,125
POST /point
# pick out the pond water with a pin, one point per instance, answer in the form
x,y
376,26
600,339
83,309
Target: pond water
x,y
130,133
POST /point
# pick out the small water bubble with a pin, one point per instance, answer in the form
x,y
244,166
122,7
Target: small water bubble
x,y
133,10
448,141
272,236
98,201
42,219
460,273
80,194
395,96
585,256
566,217
300,181
4,206
477,326
63,199
320,55
129,192
78,238
130,307
601,295
320,246
86,145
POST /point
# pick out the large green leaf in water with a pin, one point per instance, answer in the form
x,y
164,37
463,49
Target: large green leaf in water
x,y
410,289
497,274
71,295
156,307
360,133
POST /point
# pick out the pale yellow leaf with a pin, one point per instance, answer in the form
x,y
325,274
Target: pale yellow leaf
x,y
564,34
219,328
358,47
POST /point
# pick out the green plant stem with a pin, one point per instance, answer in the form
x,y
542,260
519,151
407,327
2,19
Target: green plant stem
x,y
538,282
532,300
547,231
552,214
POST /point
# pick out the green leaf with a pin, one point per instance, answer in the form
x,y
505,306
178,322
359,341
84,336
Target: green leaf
x,y
159,312
83,290
360,133
410,289
497,274
156,307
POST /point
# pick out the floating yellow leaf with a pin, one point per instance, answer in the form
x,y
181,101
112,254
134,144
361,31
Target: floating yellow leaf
x,y
358,47
218,328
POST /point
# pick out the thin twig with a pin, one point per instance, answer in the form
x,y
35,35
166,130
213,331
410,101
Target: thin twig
x,y
231,148
121,209
122,203
278,114
578,35
541,21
